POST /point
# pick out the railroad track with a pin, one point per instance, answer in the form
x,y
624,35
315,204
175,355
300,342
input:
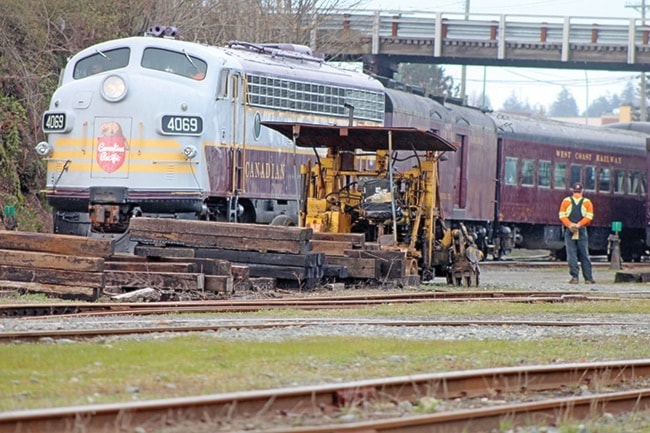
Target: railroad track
x,y
105,330
307,303
272,410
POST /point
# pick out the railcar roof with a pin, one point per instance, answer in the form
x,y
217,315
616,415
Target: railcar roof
x,y
369,138
302,70
630,126
409,103
569,134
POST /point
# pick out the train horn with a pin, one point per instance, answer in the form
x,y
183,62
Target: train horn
x,y
157,31
161,31
171,31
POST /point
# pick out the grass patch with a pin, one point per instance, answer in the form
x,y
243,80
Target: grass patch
x,y
433,310
50,375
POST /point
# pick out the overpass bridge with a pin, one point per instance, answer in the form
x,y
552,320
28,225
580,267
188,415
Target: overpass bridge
x,y
383,39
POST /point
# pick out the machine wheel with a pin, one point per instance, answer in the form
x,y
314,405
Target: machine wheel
x,y
283,220
560,254
412,267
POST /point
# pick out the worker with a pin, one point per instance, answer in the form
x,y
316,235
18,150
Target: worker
x,y
576,213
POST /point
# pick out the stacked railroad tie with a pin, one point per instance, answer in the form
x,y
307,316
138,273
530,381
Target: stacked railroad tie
x,y
57,265
76,267
271,252
290,255
187,259
173,278
364,260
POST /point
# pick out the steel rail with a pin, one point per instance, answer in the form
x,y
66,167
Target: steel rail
x,y
485,420
79,334
67,309
163,413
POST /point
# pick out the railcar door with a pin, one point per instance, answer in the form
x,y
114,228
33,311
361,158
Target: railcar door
x,y
460,198
225,157
238,143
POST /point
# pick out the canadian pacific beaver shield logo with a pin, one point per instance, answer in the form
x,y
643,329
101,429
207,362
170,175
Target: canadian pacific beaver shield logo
x,y
111,147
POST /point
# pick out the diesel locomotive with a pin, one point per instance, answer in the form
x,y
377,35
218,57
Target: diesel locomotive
x,y
159,127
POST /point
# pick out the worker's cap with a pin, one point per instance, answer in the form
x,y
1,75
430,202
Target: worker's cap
x,y
577,187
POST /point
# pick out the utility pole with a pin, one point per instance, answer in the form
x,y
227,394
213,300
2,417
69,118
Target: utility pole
x,y
642,101
463,69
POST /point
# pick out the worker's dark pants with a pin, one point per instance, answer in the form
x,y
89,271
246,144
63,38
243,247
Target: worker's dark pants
x,y
577,251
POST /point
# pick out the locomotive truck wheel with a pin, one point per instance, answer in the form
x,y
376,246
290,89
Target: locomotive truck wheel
x,y
283,220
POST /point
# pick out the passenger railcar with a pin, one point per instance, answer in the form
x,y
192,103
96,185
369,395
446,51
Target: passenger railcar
x,y
463,198
160,127
509,174
539,160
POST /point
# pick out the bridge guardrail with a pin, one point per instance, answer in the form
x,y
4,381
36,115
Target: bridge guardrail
x,y
436,28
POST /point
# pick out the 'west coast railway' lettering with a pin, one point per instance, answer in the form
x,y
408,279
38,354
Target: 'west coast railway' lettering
x,y
590,157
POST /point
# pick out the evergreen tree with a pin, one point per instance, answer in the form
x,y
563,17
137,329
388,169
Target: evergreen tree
x,y
564,106
603,105
431,78
514,105
629,95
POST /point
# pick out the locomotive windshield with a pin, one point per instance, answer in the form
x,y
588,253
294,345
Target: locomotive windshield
x,y
174,62
100,62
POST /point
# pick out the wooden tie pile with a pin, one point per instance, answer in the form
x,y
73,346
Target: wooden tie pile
x,y
189,259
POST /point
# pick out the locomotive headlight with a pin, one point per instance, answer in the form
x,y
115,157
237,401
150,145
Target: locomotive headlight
x,y
43,148
114,88
190,152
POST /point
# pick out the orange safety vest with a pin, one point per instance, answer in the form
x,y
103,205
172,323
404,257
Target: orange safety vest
x,y
586,210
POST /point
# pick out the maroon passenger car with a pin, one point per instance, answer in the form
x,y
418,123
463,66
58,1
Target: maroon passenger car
x,y
539,160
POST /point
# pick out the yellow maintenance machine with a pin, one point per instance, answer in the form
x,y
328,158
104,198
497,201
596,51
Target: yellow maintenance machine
x,y
383,182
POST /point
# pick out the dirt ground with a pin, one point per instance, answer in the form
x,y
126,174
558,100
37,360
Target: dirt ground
x,y
555,276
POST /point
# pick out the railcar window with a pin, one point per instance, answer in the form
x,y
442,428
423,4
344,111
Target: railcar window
x,y
224,77
619,181
316,98
590,178
604,180
559,176
174,62
527,172
576,172
635,182
101,62
511,171
544,174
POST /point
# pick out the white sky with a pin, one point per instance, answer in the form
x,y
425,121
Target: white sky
x,y
535,86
